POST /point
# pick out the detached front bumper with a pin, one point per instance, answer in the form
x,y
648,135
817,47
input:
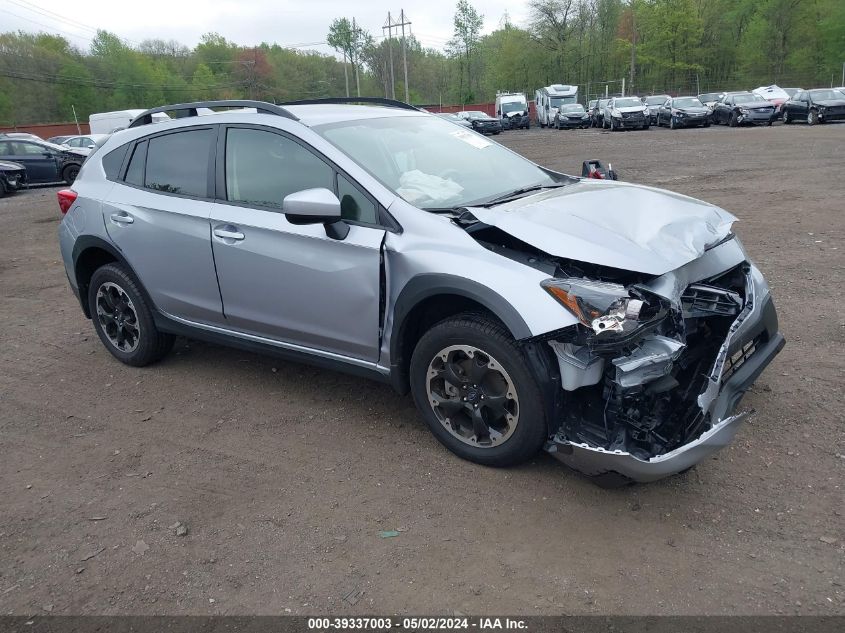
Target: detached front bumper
x,y
754,340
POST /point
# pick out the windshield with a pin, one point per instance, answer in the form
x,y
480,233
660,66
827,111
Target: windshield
x,y
629,102
822,95
514,106
688,102
559,101
792,91
656,100
746,98
430,163
476,114
710,96
603,102
573,107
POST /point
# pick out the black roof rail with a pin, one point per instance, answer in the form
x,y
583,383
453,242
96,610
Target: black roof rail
x,y
393,103
190,109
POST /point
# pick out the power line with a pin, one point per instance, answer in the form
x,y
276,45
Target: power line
x,y
97,83
52,15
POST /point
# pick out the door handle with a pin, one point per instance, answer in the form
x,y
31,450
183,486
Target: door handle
x,y
122,218
228,233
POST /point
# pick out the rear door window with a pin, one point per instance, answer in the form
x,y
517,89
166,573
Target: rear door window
x,y
178,162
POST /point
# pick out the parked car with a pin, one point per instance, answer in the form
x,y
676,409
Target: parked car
x,y
654,102
815,106
683,112
775,95
710,99
454,118
617,326
570,116
624,113
481,121
84,143
44,161
58,140
743,108
26,136
12,177
597,113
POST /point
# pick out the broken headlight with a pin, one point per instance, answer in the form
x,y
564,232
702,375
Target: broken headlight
x,y
601,306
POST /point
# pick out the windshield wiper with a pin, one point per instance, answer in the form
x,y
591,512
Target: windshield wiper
x,y
506,197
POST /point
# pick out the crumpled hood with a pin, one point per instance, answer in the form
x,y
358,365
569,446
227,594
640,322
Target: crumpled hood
x,y
614,224
831,103
628,109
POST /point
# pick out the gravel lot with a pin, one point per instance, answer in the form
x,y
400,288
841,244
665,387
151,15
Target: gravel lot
x,y
284,474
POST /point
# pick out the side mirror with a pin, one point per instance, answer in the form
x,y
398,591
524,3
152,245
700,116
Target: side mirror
x,y
316,206
92,146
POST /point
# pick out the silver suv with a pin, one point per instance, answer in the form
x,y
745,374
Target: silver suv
x,y
615,326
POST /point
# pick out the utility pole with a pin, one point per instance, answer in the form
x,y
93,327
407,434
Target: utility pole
x,y
389,27
633,48
402,23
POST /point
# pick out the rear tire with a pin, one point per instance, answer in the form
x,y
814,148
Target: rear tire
x,y
495,414
123,319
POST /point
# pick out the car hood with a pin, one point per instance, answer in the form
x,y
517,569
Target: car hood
x,y
694,110
830,103
516,113
630,109
8,165
614,224
762,103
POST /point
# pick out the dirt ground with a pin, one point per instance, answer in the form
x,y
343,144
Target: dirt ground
x,y
284,474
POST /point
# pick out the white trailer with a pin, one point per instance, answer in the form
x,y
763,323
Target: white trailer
x,y
108,122
549,99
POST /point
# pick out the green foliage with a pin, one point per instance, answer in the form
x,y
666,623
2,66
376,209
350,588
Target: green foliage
x,y
675,46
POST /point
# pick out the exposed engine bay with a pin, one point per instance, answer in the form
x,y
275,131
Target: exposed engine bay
x,y
638,371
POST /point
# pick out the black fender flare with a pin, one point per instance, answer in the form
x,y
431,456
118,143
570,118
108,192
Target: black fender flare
x,y
427,285
86,242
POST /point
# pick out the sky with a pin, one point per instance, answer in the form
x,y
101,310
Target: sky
x,y
302,24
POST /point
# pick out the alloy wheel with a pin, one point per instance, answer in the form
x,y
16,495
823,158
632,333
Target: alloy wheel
x,y
118,317
472,396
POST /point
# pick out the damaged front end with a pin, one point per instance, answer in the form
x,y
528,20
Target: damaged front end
x,y
653,372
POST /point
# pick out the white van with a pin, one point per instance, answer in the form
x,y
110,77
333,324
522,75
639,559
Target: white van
x,y
512,110
108,122
549,99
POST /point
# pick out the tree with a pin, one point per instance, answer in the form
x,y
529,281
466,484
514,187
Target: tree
x,y
467,23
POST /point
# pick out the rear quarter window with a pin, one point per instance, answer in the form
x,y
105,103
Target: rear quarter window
x,y
113,160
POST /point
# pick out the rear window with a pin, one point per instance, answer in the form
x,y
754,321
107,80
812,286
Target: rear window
x,y
178,163
113,160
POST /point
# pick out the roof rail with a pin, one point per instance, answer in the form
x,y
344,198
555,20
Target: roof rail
x,y
190,109
393,103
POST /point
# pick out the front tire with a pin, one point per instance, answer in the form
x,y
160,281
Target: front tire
x,y
474,389
734,119
123,319
812,117
70,173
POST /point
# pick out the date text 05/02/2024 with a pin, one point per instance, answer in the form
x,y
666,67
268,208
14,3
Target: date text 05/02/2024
x,y
417,623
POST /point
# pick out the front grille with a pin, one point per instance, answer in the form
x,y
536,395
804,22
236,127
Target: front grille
x,y
738,359
702,300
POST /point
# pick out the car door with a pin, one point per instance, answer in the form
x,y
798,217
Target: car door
x,y
664,112
292,282
157,213
40,161
803,106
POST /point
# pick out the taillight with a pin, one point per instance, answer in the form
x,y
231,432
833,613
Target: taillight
x,y
66,199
